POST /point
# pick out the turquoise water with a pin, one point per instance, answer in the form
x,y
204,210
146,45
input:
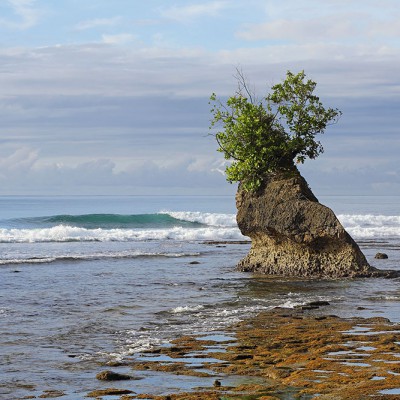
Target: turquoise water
x,y
90,280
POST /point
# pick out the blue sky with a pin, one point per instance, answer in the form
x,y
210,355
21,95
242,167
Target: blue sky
x,y
111,97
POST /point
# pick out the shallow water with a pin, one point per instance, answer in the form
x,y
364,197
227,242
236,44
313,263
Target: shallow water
x,y
68,306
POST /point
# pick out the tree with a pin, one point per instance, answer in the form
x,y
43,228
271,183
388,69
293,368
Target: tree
x,y
261,137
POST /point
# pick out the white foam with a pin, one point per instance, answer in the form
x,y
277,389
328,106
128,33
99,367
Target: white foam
x,y
212,219
96,256
371,226
63,233
178,310
292,304
27,260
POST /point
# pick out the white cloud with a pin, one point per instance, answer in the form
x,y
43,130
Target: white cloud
x,y
99,22
118,39
98,175
190,12
24,9
18,162
338,21
315,30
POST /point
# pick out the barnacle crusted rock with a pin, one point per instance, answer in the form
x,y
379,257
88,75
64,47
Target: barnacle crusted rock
x,y
293,234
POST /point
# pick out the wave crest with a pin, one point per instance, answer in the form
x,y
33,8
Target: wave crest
x,y
62,233
371,226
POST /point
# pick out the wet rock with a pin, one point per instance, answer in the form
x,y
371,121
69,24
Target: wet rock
x,y
293,234
306,357
194,263
319,303
51,394
112,376
314,305
217,383
278,373
243,357
309,307
109,392
381,256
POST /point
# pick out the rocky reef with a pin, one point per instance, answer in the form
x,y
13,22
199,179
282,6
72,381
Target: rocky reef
x,y
283,354
293,234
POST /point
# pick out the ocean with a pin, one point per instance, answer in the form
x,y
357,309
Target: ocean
x,y
86,281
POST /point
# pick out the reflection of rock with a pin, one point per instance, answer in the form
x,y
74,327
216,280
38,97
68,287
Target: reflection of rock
x,y
293,234
381,256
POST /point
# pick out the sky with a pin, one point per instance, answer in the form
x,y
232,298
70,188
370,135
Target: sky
x,y
111,97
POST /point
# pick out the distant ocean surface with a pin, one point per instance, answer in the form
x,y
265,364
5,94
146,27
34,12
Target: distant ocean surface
x,y
89,280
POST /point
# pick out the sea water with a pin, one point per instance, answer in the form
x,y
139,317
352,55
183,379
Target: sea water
x,y
86,281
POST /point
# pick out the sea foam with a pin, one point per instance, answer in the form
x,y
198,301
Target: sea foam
x,y
96,256
371,226
212,219
62,233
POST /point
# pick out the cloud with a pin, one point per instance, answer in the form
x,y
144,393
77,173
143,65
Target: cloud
x,y
118,39
316,30
23,172
99,22
334,21
190,12
139,115
25,11
107,70
18,163
356,179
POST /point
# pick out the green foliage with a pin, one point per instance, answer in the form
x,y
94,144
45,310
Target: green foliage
x,y
261,137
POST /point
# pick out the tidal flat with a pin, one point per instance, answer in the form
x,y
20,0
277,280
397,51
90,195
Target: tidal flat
x,y
279,354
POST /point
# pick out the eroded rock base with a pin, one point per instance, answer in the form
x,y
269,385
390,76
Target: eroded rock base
x,y
339,260
293,234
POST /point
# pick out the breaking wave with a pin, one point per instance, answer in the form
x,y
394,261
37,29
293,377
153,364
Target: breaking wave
x,y
184,226
165,225
62,233
91,257
371,226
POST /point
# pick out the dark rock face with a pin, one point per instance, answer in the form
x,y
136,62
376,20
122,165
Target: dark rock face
x,y
293,234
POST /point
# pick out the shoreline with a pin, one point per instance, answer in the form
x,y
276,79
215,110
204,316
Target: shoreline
x,y
279,354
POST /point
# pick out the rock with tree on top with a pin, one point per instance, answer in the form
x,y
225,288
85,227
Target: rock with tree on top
x,y
263,139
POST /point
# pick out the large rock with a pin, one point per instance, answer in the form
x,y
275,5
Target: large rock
x,y
293,234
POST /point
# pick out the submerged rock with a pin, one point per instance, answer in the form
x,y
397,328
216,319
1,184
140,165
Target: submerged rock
x,y
293,234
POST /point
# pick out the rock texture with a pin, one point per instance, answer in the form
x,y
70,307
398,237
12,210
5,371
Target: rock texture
x,y
293,234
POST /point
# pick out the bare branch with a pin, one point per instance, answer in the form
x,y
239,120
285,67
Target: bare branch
x,y
243,86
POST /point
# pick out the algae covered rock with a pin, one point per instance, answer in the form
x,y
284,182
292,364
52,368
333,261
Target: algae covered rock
x,y
293,234
112,376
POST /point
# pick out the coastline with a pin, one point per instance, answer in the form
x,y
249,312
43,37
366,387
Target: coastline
x,y
280,354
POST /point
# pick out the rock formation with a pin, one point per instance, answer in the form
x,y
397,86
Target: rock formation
x,y
293,234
